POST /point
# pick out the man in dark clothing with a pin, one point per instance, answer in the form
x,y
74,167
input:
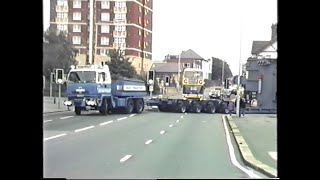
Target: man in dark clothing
x,y
242,106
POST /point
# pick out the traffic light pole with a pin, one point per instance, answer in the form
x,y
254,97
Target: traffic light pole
x,y
59,96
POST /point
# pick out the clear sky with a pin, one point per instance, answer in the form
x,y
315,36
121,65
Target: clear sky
x,y
212,28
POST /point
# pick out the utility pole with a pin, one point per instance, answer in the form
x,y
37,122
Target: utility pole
x,y
142,42
222,78
239,75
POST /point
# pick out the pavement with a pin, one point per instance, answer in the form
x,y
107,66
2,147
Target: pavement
x,y
50,105
153,145
256,137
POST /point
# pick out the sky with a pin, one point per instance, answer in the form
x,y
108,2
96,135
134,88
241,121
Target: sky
x,y
212,28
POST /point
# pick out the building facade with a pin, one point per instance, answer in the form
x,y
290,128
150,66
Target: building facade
x,y
261,71
97,26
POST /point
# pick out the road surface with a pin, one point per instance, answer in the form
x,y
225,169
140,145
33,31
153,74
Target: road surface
x,y
148,145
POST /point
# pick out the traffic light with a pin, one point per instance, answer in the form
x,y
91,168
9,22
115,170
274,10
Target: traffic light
x,y
52,78
226,83
59,76
150,75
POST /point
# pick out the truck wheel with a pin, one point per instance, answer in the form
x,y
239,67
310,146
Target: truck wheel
x,y
181,108
138,106
129,107
77,110
196,107
161,108
104,107
211,109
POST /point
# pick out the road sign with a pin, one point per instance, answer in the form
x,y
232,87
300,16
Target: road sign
x,y
151,88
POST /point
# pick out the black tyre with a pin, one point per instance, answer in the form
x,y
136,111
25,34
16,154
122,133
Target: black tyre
x,y
104,107
138,106
181,108
129,107
197,108
77,110
211,109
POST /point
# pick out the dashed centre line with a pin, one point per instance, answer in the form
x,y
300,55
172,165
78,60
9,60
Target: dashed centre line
x,y
102,124
125,158
66,117
148,142
52,137
122,118
82,129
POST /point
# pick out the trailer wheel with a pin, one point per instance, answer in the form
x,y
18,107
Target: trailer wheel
x,y
211,109
104,107
77,110
129,107
181,108
198,108
138,106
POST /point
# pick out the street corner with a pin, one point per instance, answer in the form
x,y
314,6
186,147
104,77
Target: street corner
x,y
245,151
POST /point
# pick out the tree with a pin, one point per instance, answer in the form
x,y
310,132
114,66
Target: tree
x,y
58,52
120,66
217,69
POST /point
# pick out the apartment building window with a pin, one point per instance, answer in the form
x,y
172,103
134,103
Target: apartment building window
x,y
139,20
62,27
77,16
120,28
139,43
120,16
105,4
140,9
105,29
62,2
76,4
76,39
139,32
76,28
105,17
104,41
103,52
119,40
120,4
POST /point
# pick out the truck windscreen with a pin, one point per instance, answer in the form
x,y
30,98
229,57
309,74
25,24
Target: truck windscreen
x,y
82,77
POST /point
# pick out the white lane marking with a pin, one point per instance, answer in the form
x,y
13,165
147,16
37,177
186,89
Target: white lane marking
x,y
125,158
274,155
132,115
66,117
177,121
185,113
148,142
52,137
122,118
162,132
170,125
181,116
82,129
47,120
101,124
233,156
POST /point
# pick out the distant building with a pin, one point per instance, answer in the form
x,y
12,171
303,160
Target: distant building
x,y
169,68
96,26
261,71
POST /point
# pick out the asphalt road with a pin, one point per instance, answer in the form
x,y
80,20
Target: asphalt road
x,y
147,145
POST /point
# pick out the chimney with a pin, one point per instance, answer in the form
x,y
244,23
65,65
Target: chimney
x,y
274,31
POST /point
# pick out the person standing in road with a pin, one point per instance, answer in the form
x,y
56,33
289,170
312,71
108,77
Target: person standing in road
x,y
242,106
231,107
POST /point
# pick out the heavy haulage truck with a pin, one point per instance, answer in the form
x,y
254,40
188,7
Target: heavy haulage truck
x,y
89,87
192,96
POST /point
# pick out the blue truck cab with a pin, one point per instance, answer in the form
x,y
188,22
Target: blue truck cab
x,y
90,88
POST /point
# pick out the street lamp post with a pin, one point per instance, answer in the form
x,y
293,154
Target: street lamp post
x,y
178,82
222,78
238,88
